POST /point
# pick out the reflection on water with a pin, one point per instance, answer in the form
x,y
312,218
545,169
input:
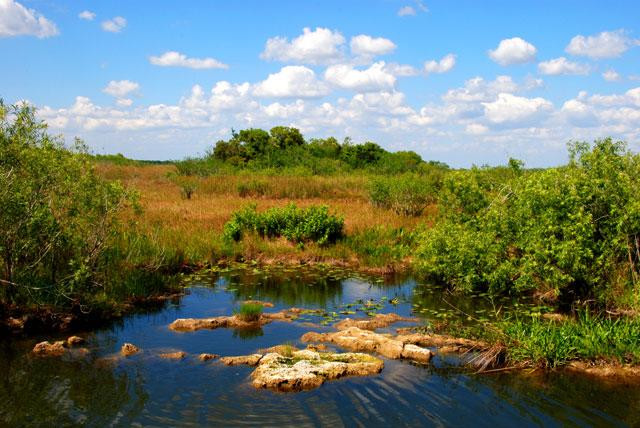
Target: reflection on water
x,y
101,390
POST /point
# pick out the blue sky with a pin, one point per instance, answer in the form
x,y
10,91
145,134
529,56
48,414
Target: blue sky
x,y
462,82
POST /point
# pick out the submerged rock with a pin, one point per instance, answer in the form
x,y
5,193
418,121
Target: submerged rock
x,y
309,369
250,360
358,340
377,321
178,355
47,349
75,341
207,357
129,349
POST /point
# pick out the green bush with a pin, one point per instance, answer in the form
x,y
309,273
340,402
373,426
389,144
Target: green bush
x,y
405,195
569,232
58,218
296,224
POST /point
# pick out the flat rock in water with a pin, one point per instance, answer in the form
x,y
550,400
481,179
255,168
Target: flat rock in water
x,y
75,341
47,349
308,369
250,360
207,357
358,340
129,349
372,323
178,355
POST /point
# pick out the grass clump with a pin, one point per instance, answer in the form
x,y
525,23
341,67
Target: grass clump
x,y
545,343
249,312
299,225
406,195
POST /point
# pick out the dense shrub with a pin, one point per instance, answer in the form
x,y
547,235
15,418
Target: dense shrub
x,y
569,232
58,218
249,312
296,224
253,188
405,195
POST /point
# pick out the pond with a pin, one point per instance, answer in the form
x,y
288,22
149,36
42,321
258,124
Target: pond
x,y
143,390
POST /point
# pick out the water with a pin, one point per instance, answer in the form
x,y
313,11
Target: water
x,y
146,390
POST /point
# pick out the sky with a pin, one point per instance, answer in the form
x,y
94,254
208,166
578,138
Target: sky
x,y
462,82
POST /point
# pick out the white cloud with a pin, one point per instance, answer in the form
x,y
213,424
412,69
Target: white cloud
x,y
114,25
87,15
508,108
561,65
17,20
611,76
364,45
406,11
513,51
120,88
374,78
124,102
607,44
476,129
442,66
177,59
402,70
292,81
320,46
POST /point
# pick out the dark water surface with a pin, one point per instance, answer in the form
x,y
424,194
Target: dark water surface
x,y
145,390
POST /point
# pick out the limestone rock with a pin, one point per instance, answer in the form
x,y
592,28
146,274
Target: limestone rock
x,y
75,340
207,357
416,353
250,360
372,323
46,349
129,349
308,369
178,355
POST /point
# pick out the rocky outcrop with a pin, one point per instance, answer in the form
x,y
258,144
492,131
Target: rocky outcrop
x,y
233,321
47,349
178,355
445,344
372,323
75,341
129,349
358,340
308,369
207,357
250,360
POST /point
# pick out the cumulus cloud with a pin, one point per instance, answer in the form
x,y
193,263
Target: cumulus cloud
x,y
442,66
294,81
17,20
512,109
87,15
476,129
114,25
320,46
402,70
374,78
607,44
513,51
120,88
364,45
177,59
611,76
562,66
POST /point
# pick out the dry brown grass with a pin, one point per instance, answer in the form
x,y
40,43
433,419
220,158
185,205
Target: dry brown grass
x,y
195,225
